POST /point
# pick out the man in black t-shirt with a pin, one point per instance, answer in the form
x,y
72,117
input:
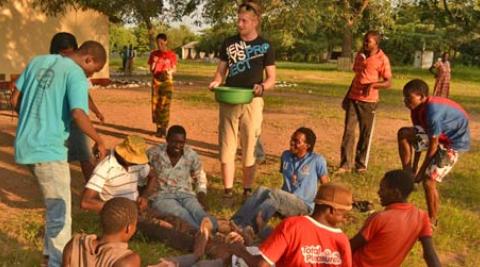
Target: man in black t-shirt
x,y
244,58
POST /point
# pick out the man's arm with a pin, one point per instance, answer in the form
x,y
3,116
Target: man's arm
x,y
131,260
271,75
67,254
198,175
142,200
429,253
269,82
432,149
172,70
151,186
201,187
386,83
16,99
219,75
84,123
94,108
357,242
324,179
91,200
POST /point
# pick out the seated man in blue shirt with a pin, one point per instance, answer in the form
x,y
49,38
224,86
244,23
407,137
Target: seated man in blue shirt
x,y
301,169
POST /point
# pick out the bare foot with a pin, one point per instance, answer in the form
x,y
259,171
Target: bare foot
x,y
201,241
206,226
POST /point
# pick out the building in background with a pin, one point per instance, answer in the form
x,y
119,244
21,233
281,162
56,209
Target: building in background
x,y
26,32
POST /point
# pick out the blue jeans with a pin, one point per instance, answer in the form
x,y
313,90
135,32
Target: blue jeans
x,y
54,180
269,201
184,206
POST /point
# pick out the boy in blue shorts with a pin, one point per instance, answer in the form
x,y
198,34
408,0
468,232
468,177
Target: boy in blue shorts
x,y
51,93
441,129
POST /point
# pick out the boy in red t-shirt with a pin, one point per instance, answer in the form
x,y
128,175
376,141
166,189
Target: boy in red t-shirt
x,y
309,240
388,235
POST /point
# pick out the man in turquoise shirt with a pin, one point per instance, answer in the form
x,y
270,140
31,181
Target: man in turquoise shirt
x,y
49,94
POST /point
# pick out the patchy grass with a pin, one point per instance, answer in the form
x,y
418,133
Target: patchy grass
x,y
319,91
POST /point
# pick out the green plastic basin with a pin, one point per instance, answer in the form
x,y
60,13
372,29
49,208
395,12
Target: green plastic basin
x,y
233,95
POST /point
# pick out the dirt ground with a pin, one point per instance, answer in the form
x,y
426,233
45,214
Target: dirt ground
x,y
127,111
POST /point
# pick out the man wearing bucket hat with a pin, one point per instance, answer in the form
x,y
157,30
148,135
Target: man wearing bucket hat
x,y
117,175
309,240
244,58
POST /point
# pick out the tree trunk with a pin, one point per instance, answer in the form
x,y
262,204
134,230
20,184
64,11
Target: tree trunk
x,y
151,33
347,41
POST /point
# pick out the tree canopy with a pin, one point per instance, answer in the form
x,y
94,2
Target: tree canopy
x,y
128,11
305,28
309,27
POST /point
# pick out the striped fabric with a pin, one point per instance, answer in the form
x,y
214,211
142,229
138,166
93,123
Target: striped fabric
x,y
111,179
442,82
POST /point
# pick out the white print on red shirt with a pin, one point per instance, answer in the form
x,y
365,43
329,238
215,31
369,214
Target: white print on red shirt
x,y
162,64
314,255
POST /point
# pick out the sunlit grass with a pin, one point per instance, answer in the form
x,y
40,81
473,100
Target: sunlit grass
x,y
319,91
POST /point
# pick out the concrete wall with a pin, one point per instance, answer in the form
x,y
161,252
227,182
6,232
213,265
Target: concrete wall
x,y
423,59
26,32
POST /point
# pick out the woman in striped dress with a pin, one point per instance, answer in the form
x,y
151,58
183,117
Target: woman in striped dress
x,y
442,76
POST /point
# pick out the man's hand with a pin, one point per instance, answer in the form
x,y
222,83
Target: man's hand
x,y
258,89
142,203
100,151
100,116
202,198
213,84
368,89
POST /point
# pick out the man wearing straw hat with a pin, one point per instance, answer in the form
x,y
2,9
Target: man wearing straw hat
x,y
244,58
117,175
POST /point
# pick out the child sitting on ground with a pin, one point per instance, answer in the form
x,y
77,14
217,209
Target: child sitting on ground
x,y
387,236
119,222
